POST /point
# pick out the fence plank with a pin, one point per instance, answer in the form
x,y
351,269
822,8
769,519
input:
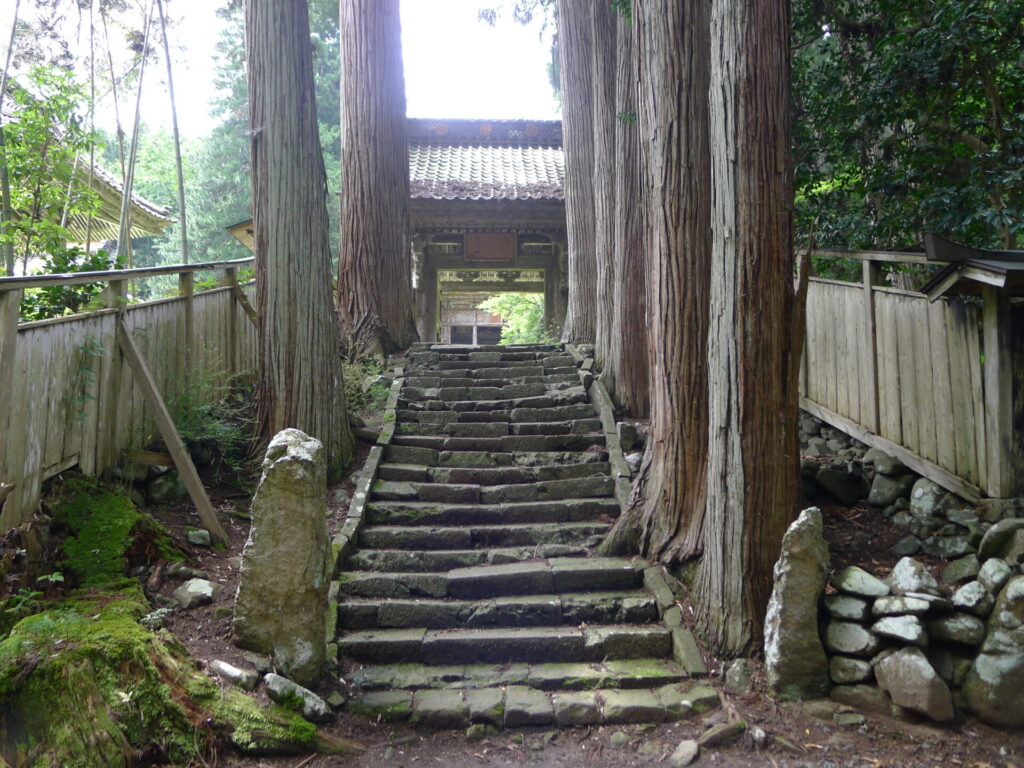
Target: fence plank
x,y
945,424
977,392
923,375
998,391
908,374
888,371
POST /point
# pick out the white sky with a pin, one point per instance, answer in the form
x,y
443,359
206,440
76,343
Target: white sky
x,y
456,66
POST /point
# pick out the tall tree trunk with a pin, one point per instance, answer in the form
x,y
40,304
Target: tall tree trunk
x,y
300,379
752,451
574,50
177,136
673,39
6,211
375,268
602,73
626,362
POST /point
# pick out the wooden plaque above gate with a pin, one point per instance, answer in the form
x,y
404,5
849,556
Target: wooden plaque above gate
x,y
490,246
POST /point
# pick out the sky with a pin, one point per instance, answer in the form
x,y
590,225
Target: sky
x,y
456,66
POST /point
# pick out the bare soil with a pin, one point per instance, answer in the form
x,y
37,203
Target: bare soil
x,y
797,735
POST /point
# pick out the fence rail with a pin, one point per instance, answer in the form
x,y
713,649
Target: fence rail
x,y
67,393
931,382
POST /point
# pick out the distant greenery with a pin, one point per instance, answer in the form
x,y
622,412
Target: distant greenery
x,y
523,315
908,119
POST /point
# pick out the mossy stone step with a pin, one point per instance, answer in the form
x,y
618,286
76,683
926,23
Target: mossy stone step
x,y
482,428
507,444
516,706
454,493
478,536
436,560
506,645
632,607
489,475
621,673
514,513
535,577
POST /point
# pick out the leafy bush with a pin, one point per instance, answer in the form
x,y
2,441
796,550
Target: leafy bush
x,y
523,315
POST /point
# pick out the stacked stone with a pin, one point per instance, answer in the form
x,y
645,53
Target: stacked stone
x,y
921,647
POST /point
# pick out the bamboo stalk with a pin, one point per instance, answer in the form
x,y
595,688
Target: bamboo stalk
x,y
177,136
6,212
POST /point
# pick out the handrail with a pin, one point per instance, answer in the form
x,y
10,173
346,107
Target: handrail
x,y
114,275
899,257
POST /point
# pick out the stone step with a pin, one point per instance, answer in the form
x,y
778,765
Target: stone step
x,y
489,428
426,400
475,536
507,645
434,380
412,455
506,444
435,560
513,513
545,490
454,362
554,414
515,706
614,673
631,607
535,577
491,475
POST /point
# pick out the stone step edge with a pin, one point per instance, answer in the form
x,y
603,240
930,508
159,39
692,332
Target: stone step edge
x,y
481,555
519,706
346,538
546,676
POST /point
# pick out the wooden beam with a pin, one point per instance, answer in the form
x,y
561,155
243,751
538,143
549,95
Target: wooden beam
x,y
919,464
84,278
872,276
241,298
169,432
187,290
995,319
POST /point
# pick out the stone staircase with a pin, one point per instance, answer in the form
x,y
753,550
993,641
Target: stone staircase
x,y
471,595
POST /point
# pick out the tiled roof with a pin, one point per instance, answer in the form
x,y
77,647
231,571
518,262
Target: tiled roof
x,y
479,172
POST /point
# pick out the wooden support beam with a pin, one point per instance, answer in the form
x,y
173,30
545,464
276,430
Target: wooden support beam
x,y
241,298
917,463
995,319
430,288
182,459
231,352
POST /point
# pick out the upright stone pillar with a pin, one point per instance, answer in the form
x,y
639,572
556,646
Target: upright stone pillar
x,y
281,606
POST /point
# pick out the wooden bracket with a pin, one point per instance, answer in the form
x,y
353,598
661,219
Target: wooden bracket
x,y
182,459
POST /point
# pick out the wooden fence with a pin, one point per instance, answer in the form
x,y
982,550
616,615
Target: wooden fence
x,y
67,393
929,382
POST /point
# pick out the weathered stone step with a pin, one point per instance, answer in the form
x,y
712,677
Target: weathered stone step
x,y
435,560
427,400
631,607
506,645
535,577
515,706
545,490
614,673
499,428
501,475
513,513
454,362
429,457
507,444
557,413
431,381
474,536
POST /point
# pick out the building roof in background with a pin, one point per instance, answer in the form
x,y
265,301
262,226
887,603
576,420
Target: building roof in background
x,y
486,159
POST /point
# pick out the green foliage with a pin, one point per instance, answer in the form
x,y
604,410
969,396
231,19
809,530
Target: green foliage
x,y
523,315
908,120
56,301
45,142
365,399
211,413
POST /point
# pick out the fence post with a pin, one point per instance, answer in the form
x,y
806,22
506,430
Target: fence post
x,y
10,303
186,289
229,280
995,319
872,276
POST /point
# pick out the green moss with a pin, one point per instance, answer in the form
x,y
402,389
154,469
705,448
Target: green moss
x,y
83,685
107,530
